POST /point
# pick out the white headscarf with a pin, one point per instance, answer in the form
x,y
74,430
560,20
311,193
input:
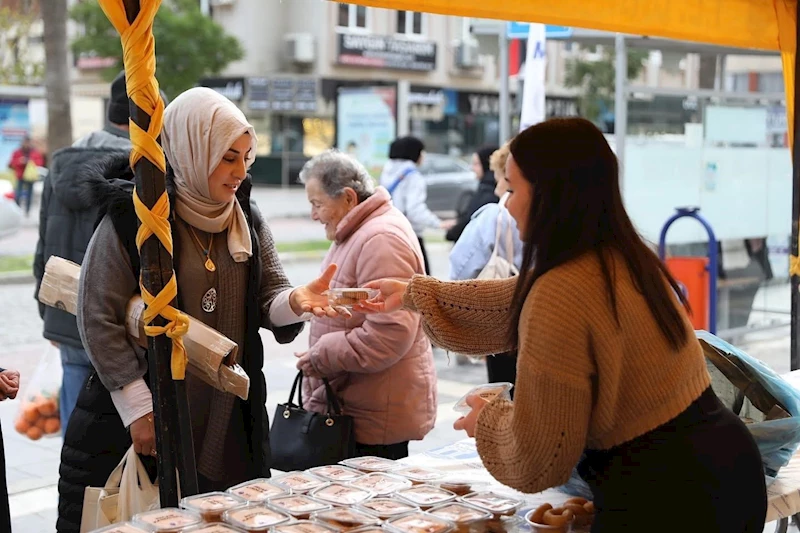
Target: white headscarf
x,y
200,126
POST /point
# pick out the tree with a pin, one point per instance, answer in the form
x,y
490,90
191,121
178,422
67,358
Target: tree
x,y
189,45
57,81
17,64
597,79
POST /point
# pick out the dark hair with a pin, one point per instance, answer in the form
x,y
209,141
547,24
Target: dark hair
x,y
408,148
484,153
576,207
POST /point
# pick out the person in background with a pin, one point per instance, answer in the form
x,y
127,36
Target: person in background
x,y
9,387
66,224
20,158
408,190
380,366
472,252
484,195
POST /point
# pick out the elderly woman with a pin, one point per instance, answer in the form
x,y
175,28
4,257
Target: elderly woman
x,y
380,366
229,277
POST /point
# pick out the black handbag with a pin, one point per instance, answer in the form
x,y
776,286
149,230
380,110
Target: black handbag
x,y
303,439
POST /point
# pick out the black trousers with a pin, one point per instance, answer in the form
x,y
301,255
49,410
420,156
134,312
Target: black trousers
x,y
5,512
424,256
502,367
699,472
387,451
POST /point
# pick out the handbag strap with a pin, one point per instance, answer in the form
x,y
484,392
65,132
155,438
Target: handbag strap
x,y
333,403
297,386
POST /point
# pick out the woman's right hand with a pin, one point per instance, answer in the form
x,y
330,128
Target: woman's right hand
x,y
389,298
143,433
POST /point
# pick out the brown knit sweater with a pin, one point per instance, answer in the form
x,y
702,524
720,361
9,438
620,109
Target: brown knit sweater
x,y
582,380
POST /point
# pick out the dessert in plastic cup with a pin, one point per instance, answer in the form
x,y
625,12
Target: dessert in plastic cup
x,y
211,505
420,522
299,506
347,298
126,527
496,504
460,513
368,529
344,519
458,487
168,520
303,526
370,464
219,527
255,517
426,496
385,508
581,509
561,522
340,494
258,490
336,473
300,482
381,483
488,392
418,474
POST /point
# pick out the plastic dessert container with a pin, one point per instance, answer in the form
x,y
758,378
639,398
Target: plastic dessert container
x,y
211,505
381,483
488,392
343,519
460,513
303,526
219,527
336,473
370,464
418,474
426,496
255,517
258,490
385,508
340,494
299,506
419,523
299,482
459,487
168,520
494,503
125,527
347,298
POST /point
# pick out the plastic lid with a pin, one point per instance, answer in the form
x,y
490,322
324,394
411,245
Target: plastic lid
x,y
213,528
255,517
258,490
388,507
299,481
417,473
420,523
349,297
299,504
371,464
426,495
368,529
381,483
303,526
488,392
492,502
211,502
168,520
336,473
340,517
339,494
126,527
460,513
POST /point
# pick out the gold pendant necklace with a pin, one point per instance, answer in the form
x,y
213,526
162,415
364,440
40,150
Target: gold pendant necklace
x,y
209,264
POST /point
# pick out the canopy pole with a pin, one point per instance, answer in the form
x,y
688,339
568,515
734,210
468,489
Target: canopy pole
x,y
621,104
795,280
505,97
174,446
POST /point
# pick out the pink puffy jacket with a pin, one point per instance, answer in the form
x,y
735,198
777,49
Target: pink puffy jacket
x,y
380,366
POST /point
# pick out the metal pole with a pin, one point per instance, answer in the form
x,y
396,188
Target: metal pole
x,y
403,89
175,449
505,111
795,341
621,105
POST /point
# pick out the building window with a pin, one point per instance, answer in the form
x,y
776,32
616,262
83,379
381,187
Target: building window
x,y
352,17
409,23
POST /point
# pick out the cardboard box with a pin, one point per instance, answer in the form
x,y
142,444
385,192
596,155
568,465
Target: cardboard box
x,y
212,356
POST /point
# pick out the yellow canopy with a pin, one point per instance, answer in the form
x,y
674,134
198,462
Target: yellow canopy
x,y
763,24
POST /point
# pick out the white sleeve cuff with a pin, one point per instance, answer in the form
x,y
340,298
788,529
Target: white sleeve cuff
x,y
133,401
280,311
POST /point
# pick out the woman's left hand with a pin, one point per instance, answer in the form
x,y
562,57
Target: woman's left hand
x,y
304,365
310,298
467,423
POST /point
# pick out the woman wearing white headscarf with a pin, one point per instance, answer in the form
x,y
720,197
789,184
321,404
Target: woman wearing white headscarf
x,y
229,277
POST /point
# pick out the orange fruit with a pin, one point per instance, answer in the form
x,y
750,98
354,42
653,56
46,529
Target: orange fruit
x,y
21,425
52,426
34,433
40,423
47,407
31,413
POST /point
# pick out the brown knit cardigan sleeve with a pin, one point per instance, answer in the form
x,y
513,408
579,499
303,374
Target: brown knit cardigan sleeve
x,y
467,317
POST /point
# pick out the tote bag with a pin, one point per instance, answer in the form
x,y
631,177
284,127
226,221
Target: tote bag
x,y
499,267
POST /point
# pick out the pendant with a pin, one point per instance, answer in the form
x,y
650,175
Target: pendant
x,y
209,302
210,266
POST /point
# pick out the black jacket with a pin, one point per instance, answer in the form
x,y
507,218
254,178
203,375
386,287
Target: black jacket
x,y
66,224
96,439
484,195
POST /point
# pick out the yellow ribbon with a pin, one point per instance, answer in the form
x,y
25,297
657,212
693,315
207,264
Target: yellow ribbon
x,y
794,265
138,50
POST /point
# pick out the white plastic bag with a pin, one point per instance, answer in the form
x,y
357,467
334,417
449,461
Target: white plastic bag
x,y
127,492
499,267
38,413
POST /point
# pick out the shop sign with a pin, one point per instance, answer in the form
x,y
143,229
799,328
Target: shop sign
x,y
282,94
230,88
379,51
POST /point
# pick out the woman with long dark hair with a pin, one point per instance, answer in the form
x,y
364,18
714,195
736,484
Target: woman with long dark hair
x,y
608,360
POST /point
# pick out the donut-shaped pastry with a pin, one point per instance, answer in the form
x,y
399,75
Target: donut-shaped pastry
x,y
558,517
579,501
589,507
538,515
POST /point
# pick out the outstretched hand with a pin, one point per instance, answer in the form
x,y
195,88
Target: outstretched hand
x,y
389,298
310,298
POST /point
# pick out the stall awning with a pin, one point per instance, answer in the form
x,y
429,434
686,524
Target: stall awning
x,y
762,24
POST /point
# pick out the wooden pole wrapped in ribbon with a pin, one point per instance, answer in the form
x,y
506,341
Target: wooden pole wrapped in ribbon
x,y
164,324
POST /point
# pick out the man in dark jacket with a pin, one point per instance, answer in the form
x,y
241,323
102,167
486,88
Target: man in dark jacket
x,y
484,195
66,225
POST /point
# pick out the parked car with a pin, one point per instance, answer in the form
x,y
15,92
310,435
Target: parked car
x,y
451,183
10,213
